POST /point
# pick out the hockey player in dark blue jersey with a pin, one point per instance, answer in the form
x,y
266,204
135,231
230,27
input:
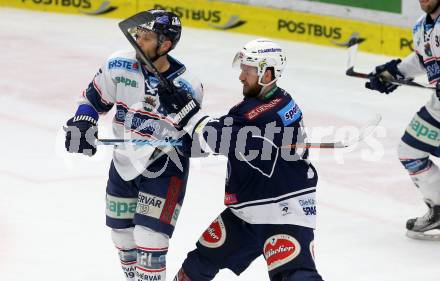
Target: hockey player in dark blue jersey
x,y
270,187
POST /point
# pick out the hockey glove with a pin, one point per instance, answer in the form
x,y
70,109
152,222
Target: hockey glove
x,y
180,103
378,78
82,132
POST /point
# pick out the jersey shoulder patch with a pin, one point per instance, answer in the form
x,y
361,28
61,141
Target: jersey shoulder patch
x,y
289,113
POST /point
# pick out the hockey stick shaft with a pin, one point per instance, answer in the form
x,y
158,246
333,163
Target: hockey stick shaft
x,y
366,130
352,45
153,143
352,73
178,143
125,27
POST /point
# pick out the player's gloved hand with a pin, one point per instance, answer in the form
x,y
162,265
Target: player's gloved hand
x,y
382,72
179,102
82,131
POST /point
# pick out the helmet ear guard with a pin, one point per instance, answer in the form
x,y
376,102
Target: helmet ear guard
x,y
262,54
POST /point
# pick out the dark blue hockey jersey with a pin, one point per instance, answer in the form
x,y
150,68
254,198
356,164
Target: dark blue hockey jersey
x,y
267,182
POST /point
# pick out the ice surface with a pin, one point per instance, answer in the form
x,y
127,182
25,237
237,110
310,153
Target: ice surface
x,y
52,222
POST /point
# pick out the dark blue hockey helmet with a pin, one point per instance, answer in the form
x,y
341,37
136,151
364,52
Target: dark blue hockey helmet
x,y
163,23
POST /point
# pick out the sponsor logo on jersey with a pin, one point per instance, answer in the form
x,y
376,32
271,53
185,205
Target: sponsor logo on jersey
x,y
432,69
280,249
215,235
126,82
174,189
308,206
260,109
290,113
230,198
122,63
120,208
138,121
149,205
423,131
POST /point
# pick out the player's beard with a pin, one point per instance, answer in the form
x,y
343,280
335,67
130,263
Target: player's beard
x,y
152,59
431,7
251,91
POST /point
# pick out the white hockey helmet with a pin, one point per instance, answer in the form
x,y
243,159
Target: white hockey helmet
x,y
262,53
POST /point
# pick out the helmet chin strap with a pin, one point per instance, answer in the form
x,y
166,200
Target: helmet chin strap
x,y
265,86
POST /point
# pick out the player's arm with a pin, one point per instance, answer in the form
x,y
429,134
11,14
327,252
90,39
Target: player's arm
x,y
98,98
412,66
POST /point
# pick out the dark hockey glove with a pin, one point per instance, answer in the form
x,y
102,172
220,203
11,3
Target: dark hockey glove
x,y
180,103
81,134
378,78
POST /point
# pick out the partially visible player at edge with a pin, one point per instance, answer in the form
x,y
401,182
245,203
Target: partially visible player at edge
x,y
270,199
422,136
145,190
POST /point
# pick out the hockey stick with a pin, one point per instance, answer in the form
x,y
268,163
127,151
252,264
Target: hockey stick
x,y
364,132
128,27
154,143
352,45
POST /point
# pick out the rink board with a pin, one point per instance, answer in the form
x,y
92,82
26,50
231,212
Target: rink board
x,y
232,17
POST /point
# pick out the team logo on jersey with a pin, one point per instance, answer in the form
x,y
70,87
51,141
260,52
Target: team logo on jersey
x,y
150,104
258,110
215,235
280,249
428,50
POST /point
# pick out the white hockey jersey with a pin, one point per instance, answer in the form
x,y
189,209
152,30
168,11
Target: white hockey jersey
x,y
122,82
426,55
426,58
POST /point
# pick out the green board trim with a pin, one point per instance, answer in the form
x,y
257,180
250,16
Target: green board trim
x,y
392,6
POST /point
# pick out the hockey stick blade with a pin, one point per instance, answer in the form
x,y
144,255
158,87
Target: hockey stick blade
x,y
352,40
364,132
127,27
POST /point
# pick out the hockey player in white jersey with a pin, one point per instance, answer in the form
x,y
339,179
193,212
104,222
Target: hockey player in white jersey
x,y
422,136
146,188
